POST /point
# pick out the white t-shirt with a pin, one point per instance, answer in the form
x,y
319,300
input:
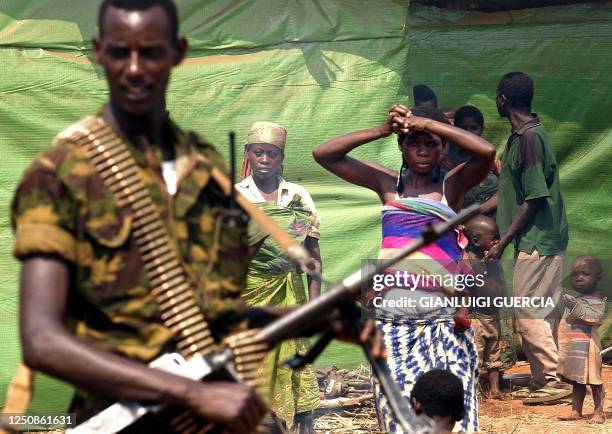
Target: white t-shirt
x,y
169,174
286,193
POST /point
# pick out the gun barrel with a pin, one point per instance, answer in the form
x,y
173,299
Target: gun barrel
x,y
348,289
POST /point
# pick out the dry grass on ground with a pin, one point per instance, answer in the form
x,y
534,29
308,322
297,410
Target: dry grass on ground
x,y
496,417
354,412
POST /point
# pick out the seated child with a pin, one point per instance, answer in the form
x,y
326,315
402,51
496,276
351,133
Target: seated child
x,y
439,394
482,234
579,343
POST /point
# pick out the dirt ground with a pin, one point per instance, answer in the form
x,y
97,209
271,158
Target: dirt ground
x,y
512,417
496,417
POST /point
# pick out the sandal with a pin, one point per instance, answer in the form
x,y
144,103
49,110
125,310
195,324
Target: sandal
x,y
521,393
546,394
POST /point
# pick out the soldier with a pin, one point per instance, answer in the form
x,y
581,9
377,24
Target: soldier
x,y
88,315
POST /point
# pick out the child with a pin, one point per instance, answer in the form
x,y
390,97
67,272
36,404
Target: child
x,y
482,234
439,394
579,344
423,96
469,118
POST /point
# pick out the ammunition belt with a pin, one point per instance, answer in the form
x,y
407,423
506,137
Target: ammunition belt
x,y
170,284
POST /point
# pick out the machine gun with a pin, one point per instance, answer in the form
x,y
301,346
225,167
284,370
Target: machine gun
x,y
247,349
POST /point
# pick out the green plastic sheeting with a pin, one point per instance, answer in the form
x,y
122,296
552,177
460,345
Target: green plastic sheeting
x,y
320,68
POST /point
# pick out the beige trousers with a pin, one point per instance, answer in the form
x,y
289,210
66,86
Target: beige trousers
x,y
538,276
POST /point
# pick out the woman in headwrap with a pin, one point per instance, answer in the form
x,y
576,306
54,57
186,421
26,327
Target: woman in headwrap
x,y
273,279
425,337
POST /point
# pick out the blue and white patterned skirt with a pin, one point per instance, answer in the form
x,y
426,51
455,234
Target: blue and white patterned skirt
x,y
418,346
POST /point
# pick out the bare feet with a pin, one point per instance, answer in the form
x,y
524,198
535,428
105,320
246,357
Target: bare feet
x,y
574,415
598,417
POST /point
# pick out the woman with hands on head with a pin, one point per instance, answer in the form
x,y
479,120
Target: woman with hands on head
x,y
427,336
422,133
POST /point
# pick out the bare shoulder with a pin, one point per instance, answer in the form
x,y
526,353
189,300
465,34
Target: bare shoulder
x,y
387,178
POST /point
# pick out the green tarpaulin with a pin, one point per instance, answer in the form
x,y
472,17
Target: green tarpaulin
x,y
320,68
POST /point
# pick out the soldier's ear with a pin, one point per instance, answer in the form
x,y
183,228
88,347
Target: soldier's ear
x,y
181,50
95,42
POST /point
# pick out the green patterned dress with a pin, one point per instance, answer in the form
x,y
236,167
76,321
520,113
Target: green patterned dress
x,y
273,281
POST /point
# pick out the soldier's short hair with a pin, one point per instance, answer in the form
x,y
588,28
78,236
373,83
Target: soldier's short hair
x,y
140,5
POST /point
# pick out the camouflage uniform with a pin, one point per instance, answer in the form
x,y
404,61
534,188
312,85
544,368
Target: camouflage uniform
x,y
62,208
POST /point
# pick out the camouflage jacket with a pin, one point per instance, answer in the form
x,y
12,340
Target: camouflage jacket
x,y
62,208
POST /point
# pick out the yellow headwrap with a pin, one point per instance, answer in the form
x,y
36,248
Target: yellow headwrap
x,y
267,132
263,132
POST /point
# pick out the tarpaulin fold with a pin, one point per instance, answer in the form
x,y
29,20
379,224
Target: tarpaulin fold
x,y
320,68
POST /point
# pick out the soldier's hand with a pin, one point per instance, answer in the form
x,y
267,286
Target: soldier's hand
x,y
236,406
